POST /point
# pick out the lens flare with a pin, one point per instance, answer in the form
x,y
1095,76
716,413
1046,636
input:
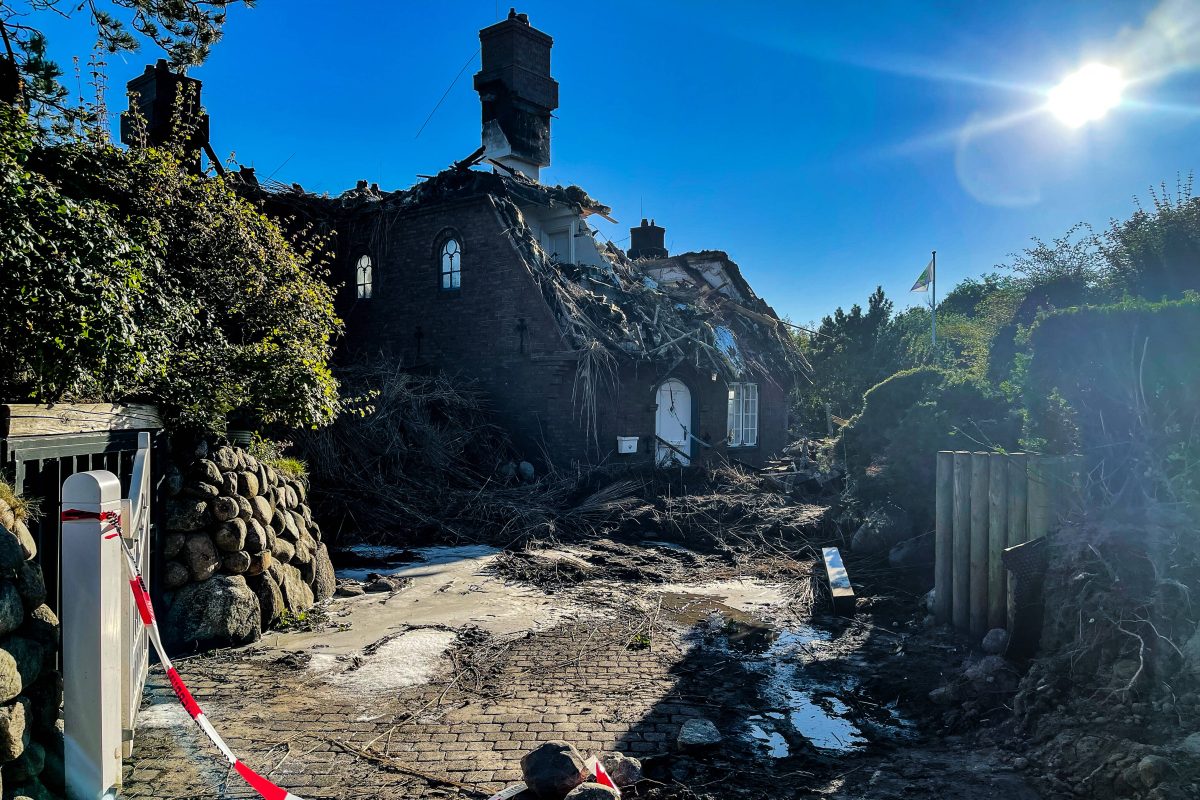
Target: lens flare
x,y
1087,95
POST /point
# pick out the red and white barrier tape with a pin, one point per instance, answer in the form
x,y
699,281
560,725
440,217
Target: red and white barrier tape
x,y
141,597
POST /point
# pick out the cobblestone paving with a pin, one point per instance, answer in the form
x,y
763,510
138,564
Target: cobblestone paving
x,y
566,683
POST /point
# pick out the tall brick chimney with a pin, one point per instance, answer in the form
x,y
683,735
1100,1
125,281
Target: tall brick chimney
x,y
647,241
517,94
155,96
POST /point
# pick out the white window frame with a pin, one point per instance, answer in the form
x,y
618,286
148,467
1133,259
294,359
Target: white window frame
x,y
450,260
743,415
365,278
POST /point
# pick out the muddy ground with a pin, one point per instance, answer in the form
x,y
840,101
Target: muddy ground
x,y
436,687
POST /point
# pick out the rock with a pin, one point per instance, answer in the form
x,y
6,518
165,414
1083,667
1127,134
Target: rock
x,y
384,583
25,540
592,791
207,471
297,597
12,554
1151,770
224,508
186,515
12,610
174,481
1020,763
525,471
324,581
930,601
553,769
31,584
226,458
10,677
13,730
218,612
235,563
301,492
201,449
263,510
229,484
260,563
350,590
173,544
200,491
698,733
28,656
256,537
200,554
624,770
248,484
883,528
245,509
231,536
986,668
1191,655
1191,744
911,554
270,598
175,575
27,766
995,642
283,550
943,695
43,627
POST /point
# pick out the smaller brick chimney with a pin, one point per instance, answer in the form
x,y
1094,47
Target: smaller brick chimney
x,y
517,94
647,241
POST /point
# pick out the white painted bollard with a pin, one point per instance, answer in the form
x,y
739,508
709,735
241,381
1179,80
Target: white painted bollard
x,y
91,627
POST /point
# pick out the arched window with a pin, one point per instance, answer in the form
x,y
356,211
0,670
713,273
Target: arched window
x,y
451,264
365,278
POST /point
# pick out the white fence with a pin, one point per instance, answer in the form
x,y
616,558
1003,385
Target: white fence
x,y
105,645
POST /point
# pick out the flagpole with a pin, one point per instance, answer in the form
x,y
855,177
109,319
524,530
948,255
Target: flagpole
x,y
933,306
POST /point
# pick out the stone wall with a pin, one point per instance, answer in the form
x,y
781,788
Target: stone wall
x,y
31,733
240,550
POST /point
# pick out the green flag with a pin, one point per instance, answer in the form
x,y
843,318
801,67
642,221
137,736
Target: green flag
x,y
922,284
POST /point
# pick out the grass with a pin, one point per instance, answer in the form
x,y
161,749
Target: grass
x,y
22,507
270,452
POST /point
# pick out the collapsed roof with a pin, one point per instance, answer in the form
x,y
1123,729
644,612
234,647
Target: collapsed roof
x,y
692,308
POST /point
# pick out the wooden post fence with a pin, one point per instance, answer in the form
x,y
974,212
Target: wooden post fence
x,y
987,502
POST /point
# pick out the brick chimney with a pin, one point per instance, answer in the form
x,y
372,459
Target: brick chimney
x,y
517,94
647,241
153,95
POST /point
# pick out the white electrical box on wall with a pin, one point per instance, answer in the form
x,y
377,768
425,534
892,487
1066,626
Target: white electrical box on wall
x,y
627,444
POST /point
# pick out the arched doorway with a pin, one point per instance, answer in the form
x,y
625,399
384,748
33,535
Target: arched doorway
x,y
673,423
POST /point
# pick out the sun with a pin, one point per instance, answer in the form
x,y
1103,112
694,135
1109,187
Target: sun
x,y
1086,95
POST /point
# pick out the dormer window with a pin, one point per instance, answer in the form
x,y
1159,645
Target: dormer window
x,y
451,264
365,278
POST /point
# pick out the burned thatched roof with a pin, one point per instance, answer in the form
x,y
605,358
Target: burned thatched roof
x,y
692,308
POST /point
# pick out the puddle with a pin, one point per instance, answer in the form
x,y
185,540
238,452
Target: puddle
x,y
800,694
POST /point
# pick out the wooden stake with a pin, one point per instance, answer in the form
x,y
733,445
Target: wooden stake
x,y
997,540
1018,510
943,571
1038,501
979,544
960,597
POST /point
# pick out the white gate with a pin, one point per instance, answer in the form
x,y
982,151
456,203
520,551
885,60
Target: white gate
x,y
105,644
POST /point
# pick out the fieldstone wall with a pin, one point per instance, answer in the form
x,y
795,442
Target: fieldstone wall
x,y
31,732
241,549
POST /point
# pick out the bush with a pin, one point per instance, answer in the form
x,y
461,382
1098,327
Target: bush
x,y
128,277
891,445
1123,383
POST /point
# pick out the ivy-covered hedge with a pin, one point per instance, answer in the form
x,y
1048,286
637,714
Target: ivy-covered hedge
x,y
124,276
1120,382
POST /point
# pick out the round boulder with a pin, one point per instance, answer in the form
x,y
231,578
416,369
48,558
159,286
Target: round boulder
x,y
248,484
553,769
592,791
13,729
235,563
224,508
324,581
201,556
218,612
698,734
175,575
12,610
231,536
186,515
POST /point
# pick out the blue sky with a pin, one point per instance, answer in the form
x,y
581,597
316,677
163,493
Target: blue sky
x,y
828,147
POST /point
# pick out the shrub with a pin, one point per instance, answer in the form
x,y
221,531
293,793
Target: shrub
x,y
129,277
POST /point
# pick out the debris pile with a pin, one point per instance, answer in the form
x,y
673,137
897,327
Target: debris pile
x,y
555,770
804,470
242,550
423,462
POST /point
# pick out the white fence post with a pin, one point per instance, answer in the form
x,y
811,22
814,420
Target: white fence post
x,y
91,629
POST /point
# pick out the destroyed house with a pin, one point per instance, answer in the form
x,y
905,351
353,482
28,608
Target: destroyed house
x,y
587,353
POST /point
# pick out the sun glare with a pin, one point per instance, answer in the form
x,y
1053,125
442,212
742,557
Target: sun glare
x,y
1086,95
